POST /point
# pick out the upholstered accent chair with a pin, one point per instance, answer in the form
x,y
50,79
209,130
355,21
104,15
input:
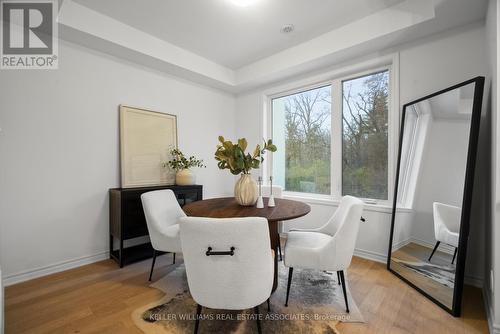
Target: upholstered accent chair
x,y
162,213
327,248
446,226
229,262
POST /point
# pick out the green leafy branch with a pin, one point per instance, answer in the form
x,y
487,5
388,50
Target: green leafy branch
x,y
232,156
180,162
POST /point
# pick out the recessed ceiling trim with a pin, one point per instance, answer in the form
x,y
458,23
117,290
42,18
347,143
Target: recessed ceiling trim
x,y
390,20
101,27
82,25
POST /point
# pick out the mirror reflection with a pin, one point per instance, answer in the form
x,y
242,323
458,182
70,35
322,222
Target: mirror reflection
x,y
433,163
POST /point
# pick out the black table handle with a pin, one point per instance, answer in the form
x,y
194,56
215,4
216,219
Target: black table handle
x,y
230,252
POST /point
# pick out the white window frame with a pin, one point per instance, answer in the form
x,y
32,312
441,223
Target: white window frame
x,y
335,79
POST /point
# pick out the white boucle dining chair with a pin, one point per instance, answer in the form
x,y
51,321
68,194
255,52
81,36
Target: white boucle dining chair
x,y
229,263
446,226
328,248
162,211
277,193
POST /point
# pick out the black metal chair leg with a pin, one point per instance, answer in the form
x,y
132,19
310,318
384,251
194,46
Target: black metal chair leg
x,y
344,290
268,305
152,265
174,259
279,247
338,277
256,310
197,321
454,255
434,250
290,273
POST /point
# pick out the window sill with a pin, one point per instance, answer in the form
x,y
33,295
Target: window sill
x,y
328,201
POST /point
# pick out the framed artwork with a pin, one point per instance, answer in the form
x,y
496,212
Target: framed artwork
x,y
146,137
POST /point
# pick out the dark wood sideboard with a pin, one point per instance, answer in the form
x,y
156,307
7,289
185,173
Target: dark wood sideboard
x,y
127,220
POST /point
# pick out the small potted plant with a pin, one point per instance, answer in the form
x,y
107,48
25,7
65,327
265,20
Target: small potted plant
x,y
184,176
233,157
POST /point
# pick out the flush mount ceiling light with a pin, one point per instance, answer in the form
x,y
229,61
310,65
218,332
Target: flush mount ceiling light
x,y
243,3
287,28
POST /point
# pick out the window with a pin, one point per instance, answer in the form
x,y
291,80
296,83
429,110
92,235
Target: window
x,y
302,125
365,136
335,137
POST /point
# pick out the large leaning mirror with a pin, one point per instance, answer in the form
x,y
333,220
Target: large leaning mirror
x,y
433,193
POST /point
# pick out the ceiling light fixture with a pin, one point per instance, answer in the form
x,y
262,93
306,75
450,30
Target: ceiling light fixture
x,y
287,28
244,3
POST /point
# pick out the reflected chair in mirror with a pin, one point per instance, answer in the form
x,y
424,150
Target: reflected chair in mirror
x,y
229,263
446,226
162,211
328,248
277,193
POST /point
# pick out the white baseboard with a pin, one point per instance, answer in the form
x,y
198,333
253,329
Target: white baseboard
x,y
400,244
442,247
490,315
70,264
370,255
53,268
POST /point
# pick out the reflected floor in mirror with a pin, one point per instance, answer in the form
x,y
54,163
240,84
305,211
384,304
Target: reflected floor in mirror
x,y
436,277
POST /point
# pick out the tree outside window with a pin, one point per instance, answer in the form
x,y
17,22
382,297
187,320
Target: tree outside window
x,y
302,125
365,136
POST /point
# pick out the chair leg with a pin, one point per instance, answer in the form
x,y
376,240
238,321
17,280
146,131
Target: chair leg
x,y
338,277
342,277
290,273
454,255
268,305
256,310
279,247
174,259
434,250
197,321
152,265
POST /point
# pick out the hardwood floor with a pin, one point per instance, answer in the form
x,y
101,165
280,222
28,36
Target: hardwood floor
x,y
390,306
100,297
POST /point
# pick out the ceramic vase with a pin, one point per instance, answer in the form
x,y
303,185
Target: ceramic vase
x,y
245,190
185,177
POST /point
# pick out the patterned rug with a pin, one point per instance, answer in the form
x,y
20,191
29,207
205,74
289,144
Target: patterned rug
x,y
316,305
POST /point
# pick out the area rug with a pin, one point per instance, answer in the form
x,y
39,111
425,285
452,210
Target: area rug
x,y
444,275
316,305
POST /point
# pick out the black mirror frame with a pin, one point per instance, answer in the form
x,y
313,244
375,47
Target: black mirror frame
x,y
467,195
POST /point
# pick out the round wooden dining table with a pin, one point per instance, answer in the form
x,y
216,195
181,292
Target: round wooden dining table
x,y
227,207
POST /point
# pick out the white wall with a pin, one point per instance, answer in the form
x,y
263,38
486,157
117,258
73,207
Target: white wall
x,y
425,67
442,176
492,204
59,152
